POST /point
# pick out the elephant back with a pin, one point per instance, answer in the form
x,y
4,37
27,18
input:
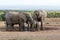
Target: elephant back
x,y
12,16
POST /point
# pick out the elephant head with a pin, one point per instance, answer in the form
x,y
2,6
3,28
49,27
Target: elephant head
x,y
29,18
40,13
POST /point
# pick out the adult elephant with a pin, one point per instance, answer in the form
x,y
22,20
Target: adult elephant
x,y
17,18
39,16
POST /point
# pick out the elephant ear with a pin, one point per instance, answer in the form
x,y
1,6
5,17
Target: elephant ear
x,y
34,17
29,18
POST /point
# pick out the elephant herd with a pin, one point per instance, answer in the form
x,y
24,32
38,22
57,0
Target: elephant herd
x,y
26,21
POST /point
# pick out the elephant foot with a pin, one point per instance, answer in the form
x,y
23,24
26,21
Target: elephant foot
x,y
32,30
25,29
10,29
20,29
38,29
42,29
28,28
14,29
6,29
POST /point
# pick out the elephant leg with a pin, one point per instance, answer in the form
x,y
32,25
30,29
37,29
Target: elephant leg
x,y
13,27
25,26
6,27
32,27
38,26
21,28
28,27
10,27
41,24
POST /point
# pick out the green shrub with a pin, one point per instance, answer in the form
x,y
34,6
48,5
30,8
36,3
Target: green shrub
x,y
1,16
50,14
53,15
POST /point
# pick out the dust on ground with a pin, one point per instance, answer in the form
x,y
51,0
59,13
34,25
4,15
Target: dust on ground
x,y
51,32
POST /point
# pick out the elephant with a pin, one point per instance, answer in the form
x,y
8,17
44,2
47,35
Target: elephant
x,y
39,16
20,18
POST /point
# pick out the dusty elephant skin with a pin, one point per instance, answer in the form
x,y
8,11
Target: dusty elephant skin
x,y
17,18
39,16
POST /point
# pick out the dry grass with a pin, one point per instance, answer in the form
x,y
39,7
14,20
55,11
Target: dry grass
x,y
52,19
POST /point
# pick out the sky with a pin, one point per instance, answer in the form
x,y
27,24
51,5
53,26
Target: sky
x,y
29,4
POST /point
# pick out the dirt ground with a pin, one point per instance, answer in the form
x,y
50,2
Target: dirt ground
x,y
51,32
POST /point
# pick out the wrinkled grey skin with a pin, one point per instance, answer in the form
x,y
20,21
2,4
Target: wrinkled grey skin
x,y
39,16
17,18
